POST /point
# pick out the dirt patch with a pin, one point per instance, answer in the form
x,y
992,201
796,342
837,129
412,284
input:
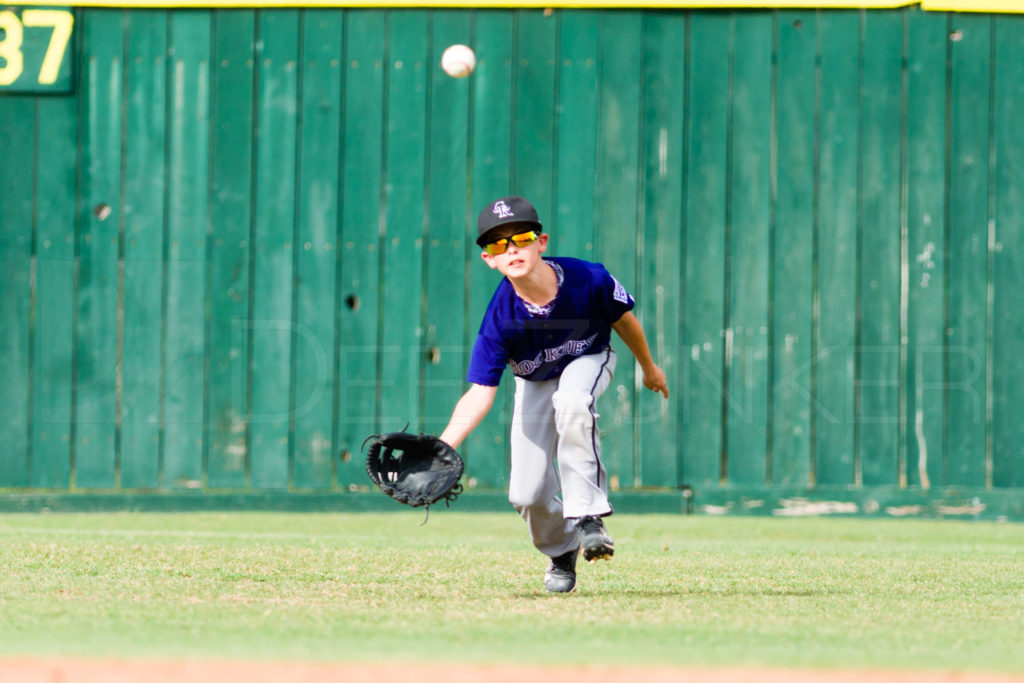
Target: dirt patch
x,y
202,671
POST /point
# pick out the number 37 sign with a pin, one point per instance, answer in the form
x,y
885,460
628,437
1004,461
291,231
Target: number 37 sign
x,y
34,54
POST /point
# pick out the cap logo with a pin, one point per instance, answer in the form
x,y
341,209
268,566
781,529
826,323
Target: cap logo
x,y
501,210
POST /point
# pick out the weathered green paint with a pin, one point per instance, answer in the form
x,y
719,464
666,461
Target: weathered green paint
x,y
659,275
272,331
95,295
835,286
54,172
361,240
145,174
16,214
187,209
245,242
925,177
228,262
311,449
793,243
704,234
749,244
534,136
878,359
968,202
1008,266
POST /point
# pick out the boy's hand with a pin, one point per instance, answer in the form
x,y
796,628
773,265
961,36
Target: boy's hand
x,y
628,327
654,379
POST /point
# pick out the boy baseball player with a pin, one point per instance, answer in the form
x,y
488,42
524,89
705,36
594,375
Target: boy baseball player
x,y
550,321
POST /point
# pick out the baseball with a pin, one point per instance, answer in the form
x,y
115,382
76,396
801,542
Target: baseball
x,y
458,61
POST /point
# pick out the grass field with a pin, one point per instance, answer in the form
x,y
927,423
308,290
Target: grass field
x,y
681,591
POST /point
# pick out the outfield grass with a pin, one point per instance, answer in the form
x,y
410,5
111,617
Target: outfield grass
x,y
688,591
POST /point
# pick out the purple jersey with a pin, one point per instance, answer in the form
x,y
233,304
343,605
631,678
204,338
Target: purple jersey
x,y
538,344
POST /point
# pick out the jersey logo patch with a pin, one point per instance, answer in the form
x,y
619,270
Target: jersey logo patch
x,y
502,210
620,292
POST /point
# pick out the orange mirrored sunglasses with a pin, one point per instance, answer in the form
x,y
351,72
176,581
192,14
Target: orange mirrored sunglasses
x,y
521,240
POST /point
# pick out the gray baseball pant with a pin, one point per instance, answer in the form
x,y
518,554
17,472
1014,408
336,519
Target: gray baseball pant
x,y
557,418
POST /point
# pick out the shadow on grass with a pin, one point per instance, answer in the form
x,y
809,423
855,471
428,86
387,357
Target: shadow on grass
x,y
661,593
588,593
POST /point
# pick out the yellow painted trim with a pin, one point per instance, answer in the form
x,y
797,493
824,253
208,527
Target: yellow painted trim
x,y
488,4
973,5
998,6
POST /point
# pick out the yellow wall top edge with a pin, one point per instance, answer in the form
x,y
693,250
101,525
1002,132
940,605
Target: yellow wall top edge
x,y
998,6
484,4
973,5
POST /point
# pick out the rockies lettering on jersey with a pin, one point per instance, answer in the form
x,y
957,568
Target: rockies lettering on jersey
x,y
538,347
570,348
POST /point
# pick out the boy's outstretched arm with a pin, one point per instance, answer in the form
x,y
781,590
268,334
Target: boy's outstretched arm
x,y
628,327
468,412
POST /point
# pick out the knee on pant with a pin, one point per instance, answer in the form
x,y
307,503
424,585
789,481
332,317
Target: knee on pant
x,y
572,406
526,498
528,488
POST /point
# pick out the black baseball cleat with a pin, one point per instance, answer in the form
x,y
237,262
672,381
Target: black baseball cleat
x,y
594,539
561,574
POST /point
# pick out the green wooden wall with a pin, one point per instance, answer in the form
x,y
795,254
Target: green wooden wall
x,y
244,242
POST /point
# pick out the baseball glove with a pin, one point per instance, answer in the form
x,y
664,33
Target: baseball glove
x,y
414,469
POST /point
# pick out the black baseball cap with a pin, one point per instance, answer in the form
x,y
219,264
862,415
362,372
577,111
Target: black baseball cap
x,y
502,212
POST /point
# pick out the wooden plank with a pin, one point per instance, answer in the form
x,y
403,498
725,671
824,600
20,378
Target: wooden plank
x,y
487,447
749,241
879,336
358,338
18,123
450,231
705,249
96,297
273,241
55,170
572,225
533,130
793,412
145,178
185,249
617,192
926,246
230,216
836,286
402,266
968,193
316,249
1008,266
660,271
